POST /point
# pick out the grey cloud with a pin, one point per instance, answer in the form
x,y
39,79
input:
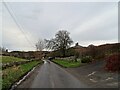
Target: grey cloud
x,y
43,20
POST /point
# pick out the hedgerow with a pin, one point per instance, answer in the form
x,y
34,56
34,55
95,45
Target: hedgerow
x,y
113,62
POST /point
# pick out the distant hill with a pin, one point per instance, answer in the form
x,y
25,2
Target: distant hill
x,y
100,50
28,54
94,51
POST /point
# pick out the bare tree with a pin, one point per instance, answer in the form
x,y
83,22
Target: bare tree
x,y
40,45
62,41
3,49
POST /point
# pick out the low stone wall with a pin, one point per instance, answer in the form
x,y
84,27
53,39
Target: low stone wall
x,y
67,58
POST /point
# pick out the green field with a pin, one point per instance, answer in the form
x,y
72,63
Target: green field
x,y
10,59
66,63
13,74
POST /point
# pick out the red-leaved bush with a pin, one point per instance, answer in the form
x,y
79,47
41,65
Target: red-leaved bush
x,y
113,62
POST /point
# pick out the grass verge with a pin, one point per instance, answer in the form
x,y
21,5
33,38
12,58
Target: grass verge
x,y
66,63
10,59
13,74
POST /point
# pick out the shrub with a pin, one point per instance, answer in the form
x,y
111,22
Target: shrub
x,y
113,62
86,59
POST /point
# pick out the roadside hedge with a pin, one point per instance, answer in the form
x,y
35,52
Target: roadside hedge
x,y
86,59
113,62
15,73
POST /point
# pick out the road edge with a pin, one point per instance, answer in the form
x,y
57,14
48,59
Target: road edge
x,y
23,78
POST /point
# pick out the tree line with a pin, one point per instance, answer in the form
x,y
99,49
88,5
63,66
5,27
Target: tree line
x,y
60,46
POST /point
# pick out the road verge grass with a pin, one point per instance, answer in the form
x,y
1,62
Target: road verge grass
x,y
15,73
10,59
67,63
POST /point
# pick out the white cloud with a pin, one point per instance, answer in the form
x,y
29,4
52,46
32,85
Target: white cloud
x,y
97,42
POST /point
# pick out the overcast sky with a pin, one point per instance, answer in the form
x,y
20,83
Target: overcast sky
x,y
88,22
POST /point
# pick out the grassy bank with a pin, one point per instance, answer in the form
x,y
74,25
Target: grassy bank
x,y
66,63
9,59
13,74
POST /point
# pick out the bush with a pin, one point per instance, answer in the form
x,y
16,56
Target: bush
x,y
113,63
86,59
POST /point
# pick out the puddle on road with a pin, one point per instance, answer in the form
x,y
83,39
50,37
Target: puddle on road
x,y
109,78
91,73
45,61
93,80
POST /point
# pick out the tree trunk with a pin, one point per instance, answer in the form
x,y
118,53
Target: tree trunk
x,y
63,52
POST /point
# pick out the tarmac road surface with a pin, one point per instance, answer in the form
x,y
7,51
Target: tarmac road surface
x,y
51,75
